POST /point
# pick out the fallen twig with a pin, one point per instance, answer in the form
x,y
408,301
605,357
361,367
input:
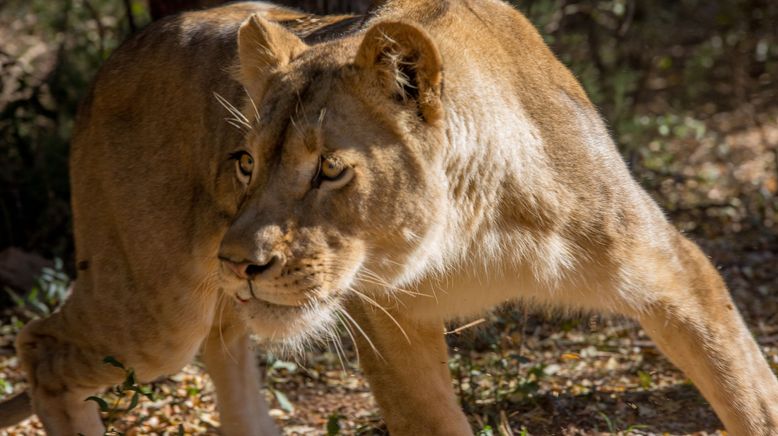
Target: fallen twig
x,y
459,329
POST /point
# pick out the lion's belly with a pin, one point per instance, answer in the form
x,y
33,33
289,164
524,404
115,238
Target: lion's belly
x,y
468,295
465,296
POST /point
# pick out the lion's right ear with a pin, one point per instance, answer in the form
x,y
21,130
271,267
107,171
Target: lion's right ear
x,y
263,48
405,59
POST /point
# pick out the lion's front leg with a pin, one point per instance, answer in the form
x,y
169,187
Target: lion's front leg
x,y
231,362
409,377
66,412
64,355
59,374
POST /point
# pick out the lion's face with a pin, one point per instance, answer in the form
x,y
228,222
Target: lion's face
x,y
338,189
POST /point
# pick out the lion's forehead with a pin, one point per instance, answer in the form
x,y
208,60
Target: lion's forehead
x,y
295,106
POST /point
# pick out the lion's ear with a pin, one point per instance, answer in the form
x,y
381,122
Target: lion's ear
x,y
264,47
404,57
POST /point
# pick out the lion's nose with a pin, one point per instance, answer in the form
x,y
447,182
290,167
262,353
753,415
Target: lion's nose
x,y
250,270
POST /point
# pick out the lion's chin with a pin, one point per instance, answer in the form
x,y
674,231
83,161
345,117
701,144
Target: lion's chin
x,y
288,328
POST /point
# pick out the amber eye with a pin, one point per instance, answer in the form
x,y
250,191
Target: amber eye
x,y
245,163
331,168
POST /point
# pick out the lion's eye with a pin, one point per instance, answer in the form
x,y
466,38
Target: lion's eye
x,y
245,163
332,172
332,168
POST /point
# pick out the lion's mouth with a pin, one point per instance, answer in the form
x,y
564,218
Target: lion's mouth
x,y
287,300
241,299
287,320
285,316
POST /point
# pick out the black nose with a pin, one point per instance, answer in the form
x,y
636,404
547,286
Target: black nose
x,y
248,270
253,270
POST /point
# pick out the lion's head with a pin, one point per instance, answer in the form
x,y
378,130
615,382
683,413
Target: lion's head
x,y
338,185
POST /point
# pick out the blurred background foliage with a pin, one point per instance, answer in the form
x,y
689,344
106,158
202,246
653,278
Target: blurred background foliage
x,y
660,72
49,52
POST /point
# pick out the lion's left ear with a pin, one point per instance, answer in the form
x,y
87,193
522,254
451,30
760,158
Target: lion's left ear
x,y
403,57
263,48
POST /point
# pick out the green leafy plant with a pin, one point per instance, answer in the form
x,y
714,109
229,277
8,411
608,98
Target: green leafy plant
x,y
49,291
122,398
645,379
333,424
613,427
487,430
608,422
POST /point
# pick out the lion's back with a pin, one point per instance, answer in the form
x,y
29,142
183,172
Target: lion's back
x,y
161,74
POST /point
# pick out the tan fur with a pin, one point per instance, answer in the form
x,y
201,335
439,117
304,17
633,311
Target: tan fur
x,y
476,171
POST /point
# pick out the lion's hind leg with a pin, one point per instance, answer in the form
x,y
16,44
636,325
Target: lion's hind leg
x,y
688,312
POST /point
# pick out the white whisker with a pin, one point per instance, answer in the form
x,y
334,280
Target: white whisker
x,y
222,302
349,332
383,309
239,117
380,282
367,338
339,351
253,105
238,126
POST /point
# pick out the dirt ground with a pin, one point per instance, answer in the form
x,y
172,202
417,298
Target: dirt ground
x,y
520,372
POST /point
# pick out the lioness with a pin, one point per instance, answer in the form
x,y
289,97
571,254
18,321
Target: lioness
x,y
425,163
